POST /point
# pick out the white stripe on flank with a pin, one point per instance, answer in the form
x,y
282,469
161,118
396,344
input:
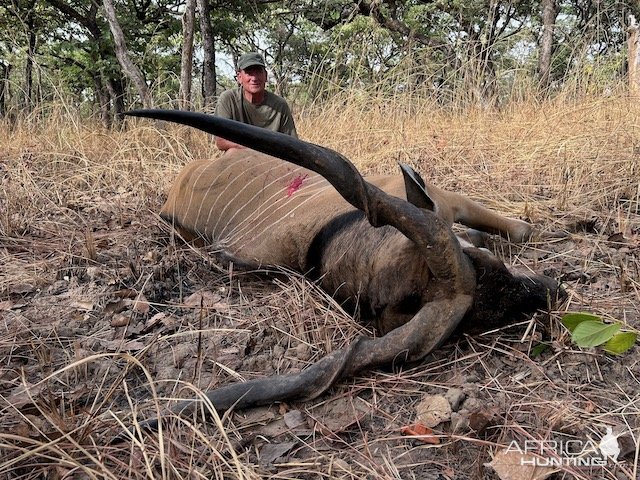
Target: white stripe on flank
x,y
256,234
222,195
280,204
229,204
259,192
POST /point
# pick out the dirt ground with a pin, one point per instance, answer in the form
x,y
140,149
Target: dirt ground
x,y
110,319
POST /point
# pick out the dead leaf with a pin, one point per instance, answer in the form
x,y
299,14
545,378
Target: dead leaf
x,y
10,305
134,330
513,465
295,419
257,416
421,433
21,288
263,421
22,395
141,305
116,306
120,321
160,319
481,418
338,414
338,464
202,298
433,410
82,305
126,293
274,428
271,452
155,320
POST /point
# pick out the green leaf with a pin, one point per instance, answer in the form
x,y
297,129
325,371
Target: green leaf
x,y
592,334
539,349
620,342
573,319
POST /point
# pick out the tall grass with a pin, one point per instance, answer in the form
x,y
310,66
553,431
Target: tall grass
x,y
537,159
556,152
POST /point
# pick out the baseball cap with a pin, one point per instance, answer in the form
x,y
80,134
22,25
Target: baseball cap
x,y
250,59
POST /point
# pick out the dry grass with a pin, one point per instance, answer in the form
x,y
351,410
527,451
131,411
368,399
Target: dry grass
x,y
100,319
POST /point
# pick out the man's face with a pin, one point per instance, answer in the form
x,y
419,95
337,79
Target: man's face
x,y
253,78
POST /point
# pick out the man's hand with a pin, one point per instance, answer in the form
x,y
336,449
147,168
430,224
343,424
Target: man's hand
x,y
224,145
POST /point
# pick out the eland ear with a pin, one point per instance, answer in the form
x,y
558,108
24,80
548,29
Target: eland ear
x,y
415,187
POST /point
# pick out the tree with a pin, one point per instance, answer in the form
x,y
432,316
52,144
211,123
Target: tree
x,y
23,14
549,13
129,68
209,53
5,71
90,61
186,64
633,43
462,53
30,25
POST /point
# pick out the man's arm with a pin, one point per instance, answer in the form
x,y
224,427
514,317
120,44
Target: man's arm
x,y
225,109
287,124
224,144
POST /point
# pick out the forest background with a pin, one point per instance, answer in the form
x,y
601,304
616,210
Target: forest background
x,y
100,58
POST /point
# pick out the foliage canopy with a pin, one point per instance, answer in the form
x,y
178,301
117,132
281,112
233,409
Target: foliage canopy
x,y
459,53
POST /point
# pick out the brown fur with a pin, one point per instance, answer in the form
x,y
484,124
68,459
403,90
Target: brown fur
x,y
260,211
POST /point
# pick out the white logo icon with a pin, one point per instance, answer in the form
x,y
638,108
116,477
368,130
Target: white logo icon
x,y
609,446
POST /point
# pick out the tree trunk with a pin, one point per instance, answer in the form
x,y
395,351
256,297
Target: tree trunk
x,y
103,100
208,45
101,61
549,14
633,56
116,92
122,54
186,63
5,71
28,68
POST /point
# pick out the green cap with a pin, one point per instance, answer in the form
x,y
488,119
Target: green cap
x,y
250,59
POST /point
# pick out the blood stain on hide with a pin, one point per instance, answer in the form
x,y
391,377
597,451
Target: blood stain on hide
x,y
295,184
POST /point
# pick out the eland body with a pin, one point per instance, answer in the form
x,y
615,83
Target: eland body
x,y
383,244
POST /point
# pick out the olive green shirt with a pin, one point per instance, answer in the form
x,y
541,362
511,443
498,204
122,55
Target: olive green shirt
x,y
273,113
